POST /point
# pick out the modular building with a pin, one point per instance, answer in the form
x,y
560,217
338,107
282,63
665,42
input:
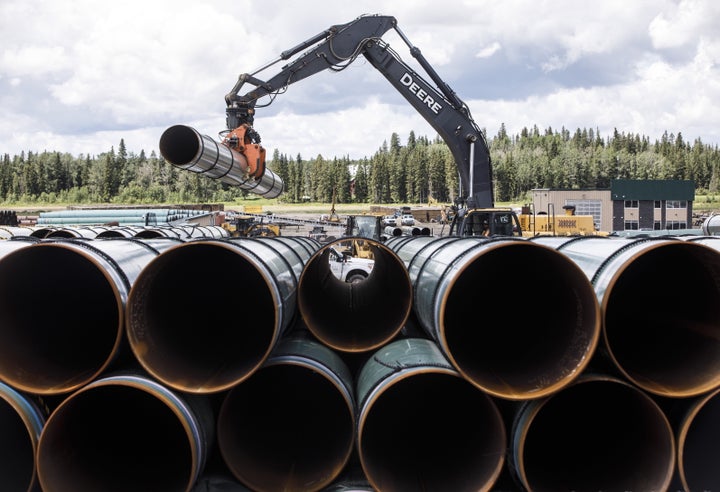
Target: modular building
x,y
628,205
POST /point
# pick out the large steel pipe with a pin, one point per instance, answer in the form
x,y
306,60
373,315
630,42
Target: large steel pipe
x,y
599,433
290,426
659,301
62,310
183,147
240,298
125,432
421,426
511,340
21,422
358,316
698,435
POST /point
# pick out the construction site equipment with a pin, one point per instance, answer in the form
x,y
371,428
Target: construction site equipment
x,y
239,160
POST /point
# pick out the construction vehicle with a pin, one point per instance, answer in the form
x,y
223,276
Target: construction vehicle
x,y
248,226
338,47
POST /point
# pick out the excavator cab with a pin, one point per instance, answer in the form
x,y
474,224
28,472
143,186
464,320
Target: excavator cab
x,y
486,222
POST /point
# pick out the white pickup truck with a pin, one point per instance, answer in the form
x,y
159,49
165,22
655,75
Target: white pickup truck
x,y
349,268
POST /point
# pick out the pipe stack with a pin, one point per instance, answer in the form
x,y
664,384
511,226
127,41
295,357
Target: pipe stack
x,y
213,363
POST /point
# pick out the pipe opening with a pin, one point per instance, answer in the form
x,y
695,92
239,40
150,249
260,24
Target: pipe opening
x,y
287,427
516,341
120,439
355,316
61,319
431,431
661,323
699,453
179,145
596,435
17,451
202,317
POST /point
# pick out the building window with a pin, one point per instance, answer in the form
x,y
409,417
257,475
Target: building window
x,y
631,204
657,225
676,204
632,225
675,225
658,204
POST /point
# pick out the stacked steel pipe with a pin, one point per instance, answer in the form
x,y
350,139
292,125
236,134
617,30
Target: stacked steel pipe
x,y
216,364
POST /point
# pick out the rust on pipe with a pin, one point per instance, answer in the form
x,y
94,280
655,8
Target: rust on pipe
x,y
599,433
290,426
185,148
421,426
511,341
239,298
82,287
125,432
355,317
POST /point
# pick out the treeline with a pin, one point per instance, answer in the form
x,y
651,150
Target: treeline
x,y
416,171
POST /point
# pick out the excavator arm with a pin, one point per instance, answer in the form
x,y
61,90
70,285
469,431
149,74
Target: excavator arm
x,y
336,48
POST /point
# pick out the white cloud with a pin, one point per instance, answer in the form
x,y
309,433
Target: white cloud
x,y
72,80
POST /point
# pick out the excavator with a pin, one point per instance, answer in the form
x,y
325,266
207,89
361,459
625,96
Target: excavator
x,y
335,49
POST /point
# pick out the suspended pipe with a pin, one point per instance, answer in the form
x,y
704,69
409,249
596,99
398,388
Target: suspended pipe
x,y
290,426
360,316
183,147
421,426
62,310
21,422
512,341
658,298
125,432
598,433
245,291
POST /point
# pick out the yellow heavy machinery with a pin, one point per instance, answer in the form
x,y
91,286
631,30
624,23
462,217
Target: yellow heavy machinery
x,y
248,226
550,224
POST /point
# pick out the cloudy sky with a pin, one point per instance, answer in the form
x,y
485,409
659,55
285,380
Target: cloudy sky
x,y
79,76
